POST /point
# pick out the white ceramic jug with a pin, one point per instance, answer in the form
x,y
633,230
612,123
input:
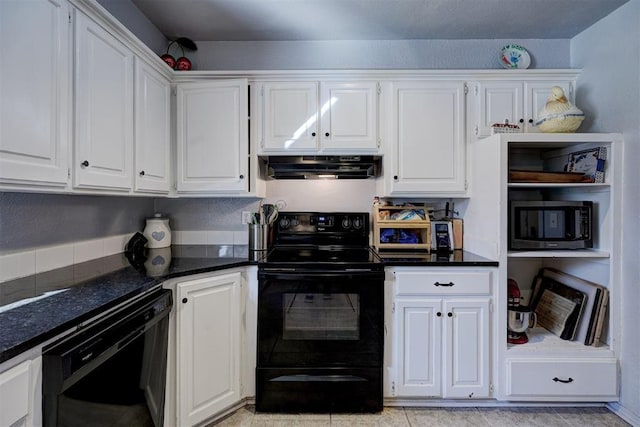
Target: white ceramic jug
x,y
157,232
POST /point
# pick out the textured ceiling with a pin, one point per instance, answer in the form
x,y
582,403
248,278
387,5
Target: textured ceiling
x,y
255,20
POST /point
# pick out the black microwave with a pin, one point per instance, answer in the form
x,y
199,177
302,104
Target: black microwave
x,y
550,225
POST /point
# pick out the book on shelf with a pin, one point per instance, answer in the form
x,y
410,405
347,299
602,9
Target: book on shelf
x,y
589,323
601,319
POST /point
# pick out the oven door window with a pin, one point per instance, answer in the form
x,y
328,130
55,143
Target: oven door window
x,y
320,319
321,316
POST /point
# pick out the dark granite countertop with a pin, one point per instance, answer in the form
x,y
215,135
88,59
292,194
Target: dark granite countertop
x,y
457,258
36,308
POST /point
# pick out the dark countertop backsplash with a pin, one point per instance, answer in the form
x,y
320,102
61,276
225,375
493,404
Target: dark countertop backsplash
x,y
37,308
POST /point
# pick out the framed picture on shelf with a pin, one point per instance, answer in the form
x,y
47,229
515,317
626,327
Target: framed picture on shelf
x,y
590,162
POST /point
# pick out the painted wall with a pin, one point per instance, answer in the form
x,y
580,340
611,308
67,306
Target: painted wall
x,y
131,17
609,92
372,54
36,220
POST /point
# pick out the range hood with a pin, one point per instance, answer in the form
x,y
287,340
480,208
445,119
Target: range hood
x,y
322,167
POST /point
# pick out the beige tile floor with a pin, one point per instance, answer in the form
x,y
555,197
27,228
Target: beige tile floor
x,y
434,417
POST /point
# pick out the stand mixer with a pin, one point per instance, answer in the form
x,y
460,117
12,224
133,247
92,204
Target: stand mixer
x,y
519,317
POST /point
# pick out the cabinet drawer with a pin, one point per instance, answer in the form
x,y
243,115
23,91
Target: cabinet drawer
x,y
589,379
443,282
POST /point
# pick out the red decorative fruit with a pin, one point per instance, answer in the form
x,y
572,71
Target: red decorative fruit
x,y
170,60
183,64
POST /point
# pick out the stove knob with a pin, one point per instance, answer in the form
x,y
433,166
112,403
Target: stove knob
x,y
346,223
357,223
284,223
295,222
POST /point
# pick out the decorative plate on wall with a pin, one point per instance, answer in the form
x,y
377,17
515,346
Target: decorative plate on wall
x,y
514,56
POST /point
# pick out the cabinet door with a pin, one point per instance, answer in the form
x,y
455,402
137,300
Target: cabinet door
x,y
212,136
104,108
152,134
536,96
209,343
15,395
418,346
34,91
349,116
466,350
290,117
499,102
429,137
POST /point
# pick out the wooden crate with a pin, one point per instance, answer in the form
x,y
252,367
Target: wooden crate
x,y
419,227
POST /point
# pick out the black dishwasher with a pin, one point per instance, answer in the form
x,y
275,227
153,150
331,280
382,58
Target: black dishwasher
x,y
111,371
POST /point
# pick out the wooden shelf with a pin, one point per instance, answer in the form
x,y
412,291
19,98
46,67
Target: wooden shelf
x,y
420,228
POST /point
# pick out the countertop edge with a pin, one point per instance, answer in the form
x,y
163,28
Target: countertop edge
x,y
20,347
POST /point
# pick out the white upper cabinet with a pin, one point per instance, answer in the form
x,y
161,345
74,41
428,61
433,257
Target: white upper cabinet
x,y
427,140
104,108
152,130
342,119
34,92
517,102
290,117
212,137
349,116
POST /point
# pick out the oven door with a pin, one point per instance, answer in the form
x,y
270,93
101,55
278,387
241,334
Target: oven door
x,y
320,319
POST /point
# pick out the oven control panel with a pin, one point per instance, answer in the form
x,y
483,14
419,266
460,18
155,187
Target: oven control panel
x,y
352,224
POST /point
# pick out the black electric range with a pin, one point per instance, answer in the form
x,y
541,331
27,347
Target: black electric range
x,y
320,316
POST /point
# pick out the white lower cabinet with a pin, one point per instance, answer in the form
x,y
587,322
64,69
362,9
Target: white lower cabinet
x,y
441,331
20,394
208,337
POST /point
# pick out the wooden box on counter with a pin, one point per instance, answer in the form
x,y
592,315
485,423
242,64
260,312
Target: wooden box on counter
x,y
417,228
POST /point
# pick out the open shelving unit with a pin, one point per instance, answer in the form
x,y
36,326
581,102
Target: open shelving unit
x,y
486,233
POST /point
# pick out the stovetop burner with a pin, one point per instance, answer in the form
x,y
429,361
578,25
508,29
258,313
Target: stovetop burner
x,y
321,240
304,255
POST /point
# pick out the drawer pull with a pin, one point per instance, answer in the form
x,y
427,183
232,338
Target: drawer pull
x,y
558,380
443,284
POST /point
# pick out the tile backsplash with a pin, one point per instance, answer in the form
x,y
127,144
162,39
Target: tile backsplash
x,y
33,261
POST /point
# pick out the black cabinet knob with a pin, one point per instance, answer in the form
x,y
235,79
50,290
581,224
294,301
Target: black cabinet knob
x,y
313,134
326,134
395,177
85,164
530,120
241,176
141,173
438,314
450,314
521,120
184,300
